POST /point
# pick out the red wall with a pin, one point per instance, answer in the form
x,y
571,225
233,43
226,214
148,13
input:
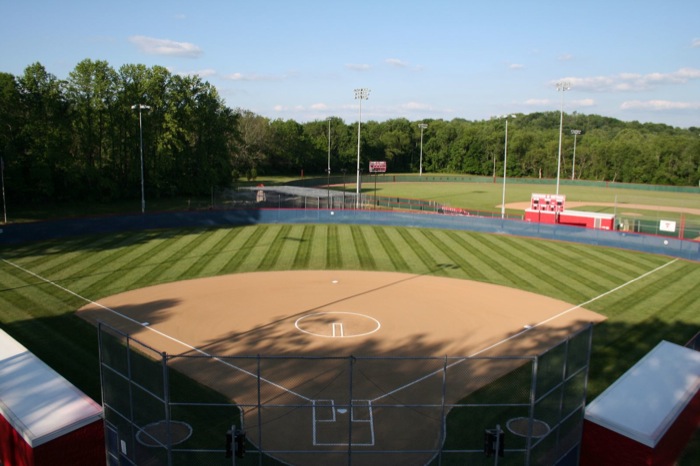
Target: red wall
x,y
603,447
82,447
14,451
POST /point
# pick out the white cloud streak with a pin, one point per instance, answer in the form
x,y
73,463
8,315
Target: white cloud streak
x,y
631,82
659,105
357,66
166,47
253,77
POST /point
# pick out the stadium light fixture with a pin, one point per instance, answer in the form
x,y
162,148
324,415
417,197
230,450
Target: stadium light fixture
x,y
562,86
141,107
575,132
360,94
422,126
505,165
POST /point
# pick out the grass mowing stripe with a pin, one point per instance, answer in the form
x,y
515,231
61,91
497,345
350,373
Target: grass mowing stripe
x,y
395,257
531,269
271,257
127,269
450,263
334,258
211,240
470,266
303,254
494,255
364,252
645,297
476,267
553,264
349,254
252,236
318,247
166,264
213,262
593,266
414,244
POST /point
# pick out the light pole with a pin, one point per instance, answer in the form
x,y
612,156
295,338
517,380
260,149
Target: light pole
x,y
328,170
422,126
141,107
575,132
505,165
561,86
360,94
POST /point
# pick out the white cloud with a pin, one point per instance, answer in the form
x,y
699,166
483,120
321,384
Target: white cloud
x,y
695,43
201,73
319,106
659,105
565,57
415,106
357,66
253,77
516,66
631,82
396,62
153,46
582,103
539,103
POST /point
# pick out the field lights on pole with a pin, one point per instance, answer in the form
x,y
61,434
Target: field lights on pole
x,y
505,164
328,170
575,132
422,126
561,86
360,94
141,107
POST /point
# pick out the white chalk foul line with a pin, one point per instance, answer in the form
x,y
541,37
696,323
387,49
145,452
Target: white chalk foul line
x,y
522,332
151,329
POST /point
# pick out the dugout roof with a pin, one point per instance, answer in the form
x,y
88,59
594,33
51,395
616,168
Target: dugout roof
x,y
38,402
647,399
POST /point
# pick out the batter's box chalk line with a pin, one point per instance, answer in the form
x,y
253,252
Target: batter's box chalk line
x,y
330,423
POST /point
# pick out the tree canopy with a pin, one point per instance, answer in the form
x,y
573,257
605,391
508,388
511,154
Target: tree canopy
x,y
79,138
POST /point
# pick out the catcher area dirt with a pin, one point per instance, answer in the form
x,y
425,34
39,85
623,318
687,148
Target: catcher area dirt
x,y
337,313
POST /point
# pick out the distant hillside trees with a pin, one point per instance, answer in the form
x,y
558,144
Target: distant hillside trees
x,y
78,138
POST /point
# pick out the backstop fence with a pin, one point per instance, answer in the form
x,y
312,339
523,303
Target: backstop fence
x,y
195,409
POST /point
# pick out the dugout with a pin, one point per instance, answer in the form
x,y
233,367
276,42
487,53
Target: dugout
x,y
44,419
648,415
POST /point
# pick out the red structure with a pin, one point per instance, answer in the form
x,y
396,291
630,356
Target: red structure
x,y
649,414
551,208
44,419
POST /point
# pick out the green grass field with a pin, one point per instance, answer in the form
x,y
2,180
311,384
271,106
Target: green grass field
x,y
646,298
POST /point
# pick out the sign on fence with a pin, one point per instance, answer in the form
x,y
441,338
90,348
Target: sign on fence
x,y
377,167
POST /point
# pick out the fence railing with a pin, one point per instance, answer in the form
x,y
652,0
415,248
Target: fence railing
x,y
159,409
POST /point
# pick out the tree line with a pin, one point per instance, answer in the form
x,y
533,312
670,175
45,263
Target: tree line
x,y
81,138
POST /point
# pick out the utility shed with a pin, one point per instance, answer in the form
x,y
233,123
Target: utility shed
x,y
44,419
648,415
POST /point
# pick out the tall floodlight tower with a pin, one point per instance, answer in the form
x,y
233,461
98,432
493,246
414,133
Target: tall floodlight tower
x,y
505,164
575,132
561,87
140,108
422,126
360,94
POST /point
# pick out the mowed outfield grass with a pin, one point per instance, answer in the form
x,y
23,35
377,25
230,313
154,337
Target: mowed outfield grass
x,y
663,305
647,298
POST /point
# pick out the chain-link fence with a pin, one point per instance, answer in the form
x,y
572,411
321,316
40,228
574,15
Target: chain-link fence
x,y
197,409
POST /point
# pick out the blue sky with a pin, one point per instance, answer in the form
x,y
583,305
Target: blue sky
x,y
302,59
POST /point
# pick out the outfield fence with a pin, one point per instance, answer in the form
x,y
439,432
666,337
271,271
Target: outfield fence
x,y
341,410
